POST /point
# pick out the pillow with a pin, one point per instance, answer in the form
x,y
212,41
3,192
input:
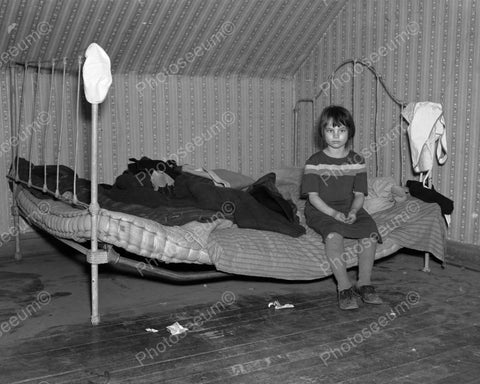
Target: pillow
x,y
235,179
379,194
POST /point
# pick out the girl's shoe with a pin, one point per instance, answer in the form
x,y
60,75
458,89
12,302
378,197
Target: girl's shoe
x,y
347,299
368,294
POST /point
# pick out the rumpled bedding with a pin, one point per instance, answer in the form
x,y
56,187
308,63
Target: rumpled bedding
x,y
193,198
142,202
260,207
413,224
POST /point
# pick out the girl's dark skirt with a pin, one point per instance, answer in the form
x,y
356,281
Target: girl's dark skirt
x,y
363,227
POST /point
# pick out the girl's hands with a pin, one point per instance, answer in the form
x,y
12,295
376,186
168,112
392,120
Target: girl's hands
x,y
340,216
351,217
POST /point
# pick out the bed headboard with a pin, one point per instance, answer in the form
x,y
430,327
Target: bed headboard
x,y
31,122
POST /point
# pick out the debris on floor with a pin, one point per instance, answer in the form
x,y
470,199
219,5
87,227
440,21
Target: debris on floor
x,y
277,305
176,328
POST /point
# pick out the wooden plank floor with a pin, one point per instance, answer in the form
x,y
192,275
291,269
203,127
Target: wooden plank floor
x,y
428,331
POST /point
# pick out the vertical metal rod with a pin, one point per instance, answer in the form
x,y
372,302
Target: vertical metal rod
x,y
14,133
49,125
60,132
295,126
426,267
315,137
16,224
94,209
295,134
400,144
18,108
77,125
377,82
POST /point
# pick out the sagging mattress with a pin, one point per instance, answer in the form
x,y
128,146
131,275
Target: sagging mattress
x,y
144,237
412,224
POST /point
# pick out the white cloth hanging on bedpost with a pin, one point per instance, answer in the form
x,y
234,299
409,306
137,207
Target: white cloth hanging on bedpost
x,y
97,76
425,131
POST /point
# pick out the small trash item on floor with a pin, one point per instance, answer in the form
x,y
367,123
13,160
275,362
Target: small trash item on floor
x,y
277,305
176,328
153,330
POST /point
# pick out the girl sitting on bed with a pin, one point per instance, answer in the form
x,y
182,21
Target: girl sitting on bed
x,y
335,180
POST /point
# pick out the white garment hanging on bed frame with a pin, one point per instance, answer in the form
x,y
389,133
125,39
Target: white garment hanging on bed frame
x,y
426,129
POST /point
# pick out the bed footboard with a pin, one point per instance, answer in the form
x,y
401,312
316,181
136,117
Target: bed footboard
x,y
16,224
426,262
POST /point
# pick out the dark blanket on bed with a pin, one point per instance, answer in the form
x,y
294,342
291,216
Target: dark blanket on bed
x,y
260,207
193,198
147,203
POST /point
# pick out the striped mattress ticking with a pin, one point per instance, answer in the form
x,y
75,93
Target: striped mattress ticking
x,y
171,244
412,224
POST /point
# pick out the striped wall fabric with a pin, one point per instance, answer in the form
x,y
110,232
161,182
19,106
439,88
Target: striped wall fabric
x,y
424,51
241,124
259,38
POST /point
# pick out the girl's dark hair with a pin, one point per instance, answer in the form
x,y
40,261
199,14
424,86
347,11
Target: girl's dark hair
x,y
339,116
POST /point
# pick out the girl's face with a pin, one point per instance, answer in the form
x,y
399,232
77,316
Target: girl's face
x,y
335,137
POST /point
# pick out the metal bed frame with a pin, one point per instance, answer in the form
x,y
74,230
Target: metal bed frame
x,y
101,253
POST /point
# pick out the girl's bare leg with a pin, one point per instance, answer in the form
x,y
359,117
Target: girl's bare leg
x,y
334,251
366,257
